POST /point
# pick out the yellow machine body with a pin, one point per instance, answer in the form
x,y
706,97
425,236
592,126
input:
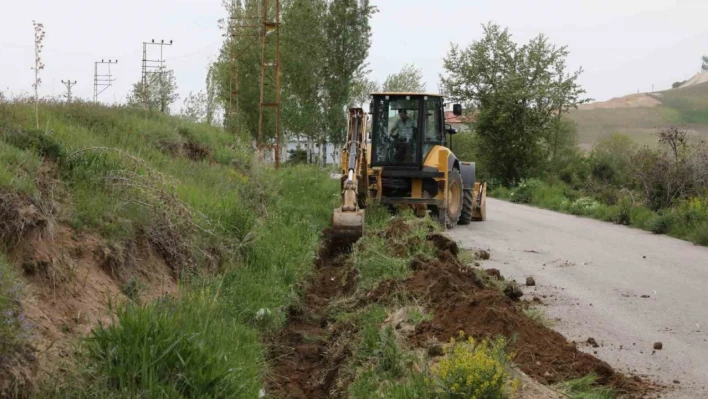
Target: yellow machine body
x,y
440,183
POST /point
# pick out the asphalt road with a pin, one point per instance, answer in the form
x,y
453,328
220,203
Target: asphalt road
x,y
592,276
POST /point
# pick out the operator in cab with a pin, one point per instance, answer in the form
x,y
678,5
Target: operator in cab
x,y
403,128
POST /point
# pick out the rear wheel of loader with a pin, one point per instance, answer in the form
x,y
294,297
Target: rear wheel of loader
x,y
467,207
452,213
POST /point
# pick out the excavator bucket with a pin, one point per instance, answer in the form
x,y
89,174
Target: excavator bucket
x,y
350,223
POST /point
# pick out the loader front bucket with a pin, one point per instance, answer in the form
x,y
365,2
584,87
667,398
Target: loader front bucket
x,y
349,223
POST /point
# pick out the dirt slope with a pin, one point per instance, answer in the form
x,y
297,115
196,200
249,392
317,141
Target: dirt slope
x,y
626,288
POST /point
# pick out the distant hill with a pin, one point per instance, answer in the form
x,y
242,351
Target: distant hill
x,y
641,115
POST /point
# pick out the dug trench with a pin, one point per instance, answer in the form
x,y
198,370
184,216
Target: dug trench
x,y
309,355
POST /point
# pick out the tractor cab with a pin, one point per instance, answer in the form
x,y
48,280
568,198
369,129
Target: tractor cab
x,y
405,128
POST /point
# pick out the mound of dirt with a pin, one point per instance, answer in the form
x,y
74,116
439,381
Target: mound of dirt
x,y
460,303
309,352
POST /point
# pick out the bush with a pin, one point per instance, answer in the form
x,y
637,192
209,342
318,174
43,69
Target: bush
x,y
297,156
642,217
611,159
700,234
662,223
35,140
473,369
624,215
523,193
583,206
500,192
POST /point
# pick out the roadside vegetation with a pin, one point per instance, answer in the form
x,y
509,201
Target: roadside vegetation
x,y
236,237
661,190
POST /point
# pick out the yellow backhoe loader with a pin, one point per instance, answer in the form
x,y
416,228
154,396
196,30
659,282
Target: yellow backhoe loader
x,y
405,162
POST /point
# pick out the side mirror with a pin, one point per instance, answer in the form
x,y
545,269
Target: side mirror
x,y
457,109
450,130
371,108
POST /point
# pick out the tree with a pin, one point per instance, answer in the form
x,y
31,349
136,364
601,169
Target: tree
x,y
361,90
704,67
38,65
211,95
158,94
409,79
195,107
560,142
304,57
520,91
348,39
324,44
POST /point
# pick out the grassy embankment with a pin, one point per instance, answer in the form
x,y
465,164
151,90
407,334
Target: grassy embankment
x,y
238,237
687,220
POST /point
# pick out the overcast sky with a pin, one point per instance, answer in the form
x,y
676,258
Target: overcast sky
x,y
623,45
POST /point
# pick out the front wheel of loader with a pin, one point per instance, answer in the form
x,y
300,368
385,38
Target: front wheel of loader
x,y
467,207
451,214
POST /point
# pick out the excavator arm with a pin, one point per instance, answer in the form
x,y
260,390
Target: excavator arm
x,y
349,218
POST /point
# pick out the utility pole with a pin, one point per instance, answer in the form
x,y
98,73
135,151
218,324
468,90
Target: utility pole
x,y
270,27
68,83
103,81
151,67
243,33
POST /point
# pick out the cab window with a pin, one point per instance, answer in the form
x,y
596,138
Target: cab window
x,y
433,129
396,130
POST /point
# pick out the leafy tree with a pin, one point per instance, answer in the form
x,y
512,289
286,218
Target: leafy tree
x,y
520,92
560,142
409,79
320,63
348,39
211,104
361,90
304,52
704,67
611,159
195,107
159,93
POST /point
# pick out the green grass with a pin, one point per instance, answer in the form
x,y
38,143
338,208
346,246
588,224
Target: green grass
x,y
538,315
380,256
585,388
127,174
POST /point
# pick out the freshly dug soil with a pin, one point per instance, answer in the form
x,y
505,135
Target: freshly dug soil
x,y
306,357
305,363
461,303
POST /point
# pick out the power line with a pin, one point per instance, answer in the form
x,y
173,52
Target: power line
x,y
68,83
103,81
